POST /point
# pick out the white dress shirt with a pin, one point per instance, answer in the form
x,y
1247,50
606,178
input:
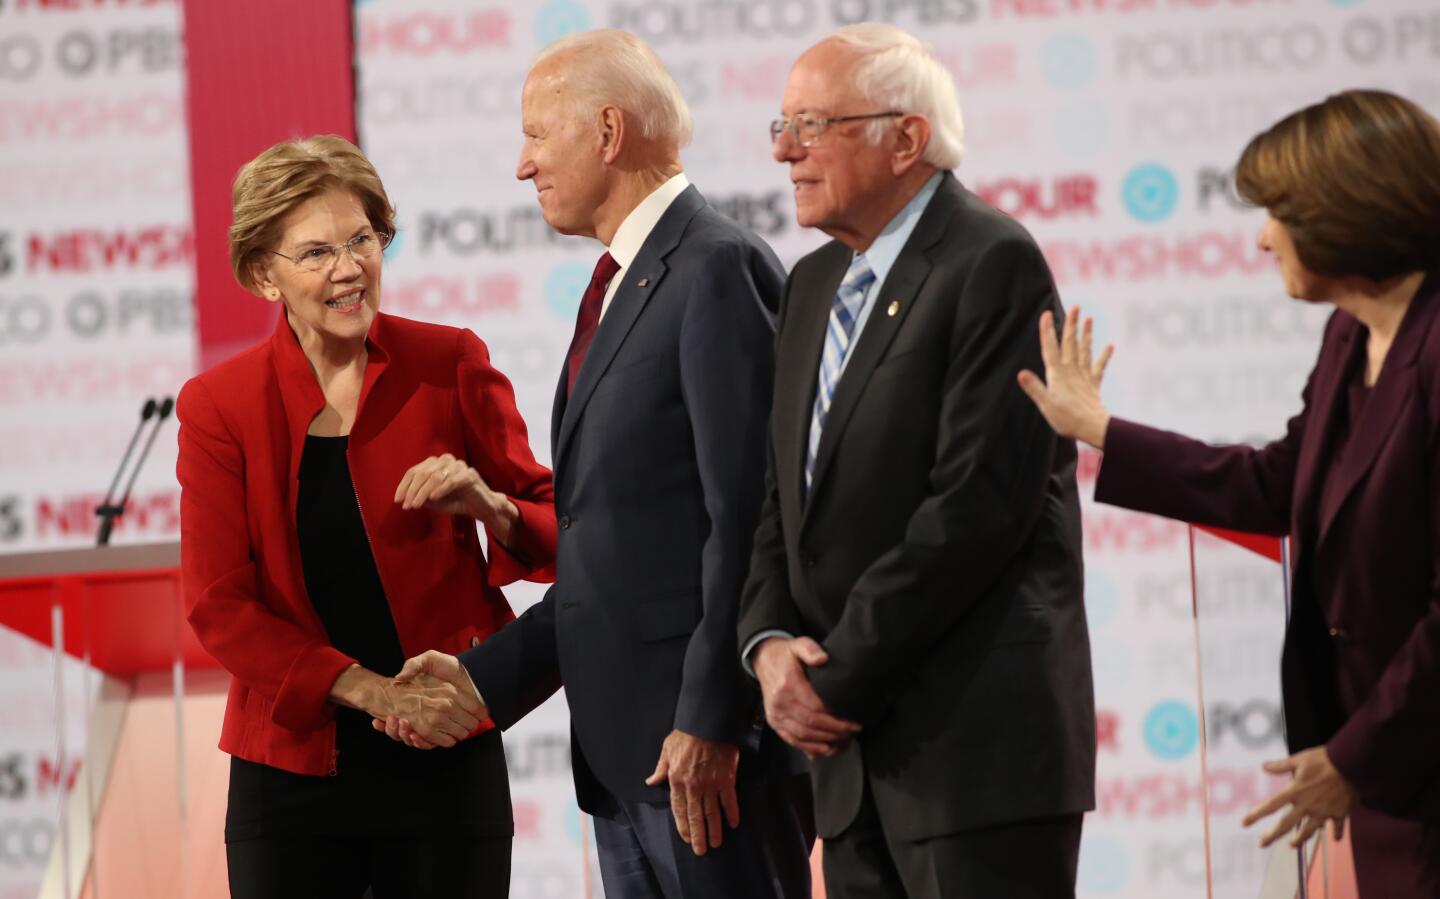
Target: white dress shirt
x,y
631,234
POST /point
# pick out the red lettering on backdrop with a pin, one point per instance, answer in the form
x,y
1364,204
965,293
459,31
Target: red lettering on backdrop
x,y
1046,199
155,514
76,118
527,814
430,34
88,250
76,5
1106,529
1107,730
51,776
1209,254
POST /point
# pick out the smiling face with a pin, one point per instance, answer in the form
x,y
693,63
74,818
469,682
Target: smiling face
x,y
1300,283
336,304
561,154
843,183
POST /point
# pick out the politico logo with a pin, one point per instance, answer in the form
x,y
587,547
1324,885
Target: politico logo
x,y
905,13
659,22
1104,864
1069,61
1268,49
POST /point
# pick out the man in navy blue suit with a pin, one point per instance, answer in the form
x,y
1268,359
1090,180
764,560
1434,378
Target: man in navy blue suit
x,y
658,444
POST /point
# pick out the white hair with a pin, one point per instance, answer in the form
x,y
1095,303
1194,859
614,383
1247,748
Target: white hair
x,y
898,72
609,66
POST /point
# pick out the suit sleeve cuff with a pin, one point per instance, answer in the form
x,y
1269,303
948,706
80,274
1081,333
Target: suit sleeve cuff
x,y
745,661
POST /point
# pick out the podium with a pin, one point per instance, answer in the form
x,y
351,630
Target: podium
x,y
121,789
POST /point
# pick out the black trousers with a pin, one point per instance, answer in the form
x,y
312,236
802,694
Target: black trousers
x,y
1034,859
441,867
767,857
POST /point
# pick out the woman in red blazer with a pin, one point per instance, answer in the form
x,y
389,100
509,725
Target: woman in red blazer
x,y
331,482
1353,190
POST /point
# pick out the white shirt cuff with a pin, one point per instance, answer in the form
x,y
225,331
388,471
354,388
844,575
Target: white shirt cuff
x,y
754,642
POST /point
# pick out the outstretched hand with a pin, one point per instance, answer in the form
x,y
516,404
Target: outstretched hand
x,y
1069,397
1319,793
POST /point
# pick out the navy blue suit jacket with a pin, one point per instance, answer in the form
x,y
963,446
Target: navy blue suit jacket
x,y
659,459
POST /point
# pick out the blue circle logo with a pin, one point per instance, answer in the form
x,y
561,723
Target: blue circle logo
x,y
1172,730
559,18
564,287
1083,127
1068,61
1150,192
1103,865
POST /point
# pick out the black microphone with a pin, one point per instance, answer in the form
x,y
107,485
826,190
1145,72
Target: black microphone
x,y
111,509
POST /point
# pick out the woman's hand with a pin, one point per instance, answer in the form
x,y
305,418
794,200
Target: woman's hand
x,y
434,708
1069,397
1317,794
447,484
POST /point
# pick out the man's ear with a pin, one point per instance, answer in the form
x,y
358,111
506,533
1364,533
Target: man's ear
x,y
610,132
912,136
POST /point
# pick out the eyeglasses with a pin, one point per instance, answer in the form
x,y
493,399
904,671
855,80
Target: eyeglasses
x,y
805,130
318,259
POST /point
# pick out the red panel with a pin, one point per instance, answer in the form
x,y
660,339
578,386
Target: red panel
x,y
1269,547
258,72
128,622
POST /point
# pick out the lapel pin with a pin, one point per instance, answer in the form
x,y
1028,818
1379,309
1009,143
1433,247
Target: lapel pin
x,y
644,282
894,308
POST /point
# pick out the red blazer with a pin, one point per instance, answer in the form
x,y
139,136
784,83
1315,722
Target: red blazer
x,y
1361,668
428,390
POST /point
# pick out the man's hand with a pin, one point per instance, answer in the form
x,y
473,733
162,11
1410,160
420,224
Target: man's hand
x,y
1317,794
447,484
702,782
792,707
435,698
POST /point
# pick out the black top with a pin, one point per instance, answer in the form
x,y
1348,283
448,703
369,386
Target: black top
x,y
379,786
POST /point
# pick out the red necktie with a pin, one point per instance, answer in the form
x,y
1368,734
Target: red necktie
x,y
588,319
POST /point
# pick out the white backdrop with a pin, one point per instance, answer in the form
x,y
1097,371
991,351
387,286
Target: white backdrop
x,y
1107,126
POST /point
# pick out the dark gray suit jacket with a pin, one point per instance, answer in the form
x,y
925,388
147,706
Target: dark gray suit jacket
x,y
938,555
659,472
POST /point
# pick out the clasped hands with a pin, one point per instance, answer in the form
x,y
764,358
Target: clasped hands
x,y
434,703
792,707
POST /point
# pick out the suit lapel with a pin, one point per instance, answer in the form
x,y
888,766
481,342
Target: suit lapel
x,y
1397,382
642,279
899,291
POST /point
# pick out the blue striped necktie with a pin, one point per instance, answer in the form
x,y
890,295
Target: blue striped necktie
x,y
838,334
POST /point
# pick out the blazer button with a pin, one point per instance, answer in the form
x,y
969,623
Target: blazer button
x,y
807,561
564,522
1339,633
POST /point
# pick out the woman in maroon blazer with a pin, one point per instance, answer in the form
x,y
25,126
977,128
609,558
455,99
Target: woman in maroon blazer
x,y
331,480
1352,186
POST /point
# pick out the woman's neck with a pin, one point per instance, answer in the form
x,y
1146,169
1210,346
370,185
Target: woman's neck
x,y
1379,305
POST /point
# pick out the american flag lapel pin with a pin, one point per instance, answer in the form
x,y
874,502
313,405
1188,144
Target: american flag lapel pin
x,y
644,282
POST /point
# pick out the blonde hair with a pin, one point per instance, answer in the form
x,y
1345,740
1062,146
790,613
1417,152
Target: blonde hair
x,y
272,184
609,66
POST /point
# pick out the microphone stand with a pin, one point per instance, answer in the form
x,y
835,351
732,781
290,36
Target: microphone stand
x,y
111,509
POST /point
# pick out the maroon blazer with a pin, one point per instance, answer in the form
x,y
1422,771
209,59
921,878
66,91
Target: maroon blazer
x,y
1361,665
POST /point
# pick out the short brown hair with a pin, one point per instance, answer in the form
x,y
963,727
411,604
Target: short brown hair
x,y
1356,181
269,186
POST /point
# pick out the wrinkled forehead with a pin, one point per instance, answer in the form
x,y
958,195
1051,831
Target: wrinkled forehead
x,y
823,80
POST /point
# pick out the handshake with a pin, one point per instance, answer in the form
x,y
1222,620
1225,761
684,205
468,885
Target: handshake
x,y
430,703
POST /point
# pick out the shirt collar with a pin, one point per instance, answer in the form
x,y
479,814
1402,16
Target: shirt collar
x,y
631,234
892,238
